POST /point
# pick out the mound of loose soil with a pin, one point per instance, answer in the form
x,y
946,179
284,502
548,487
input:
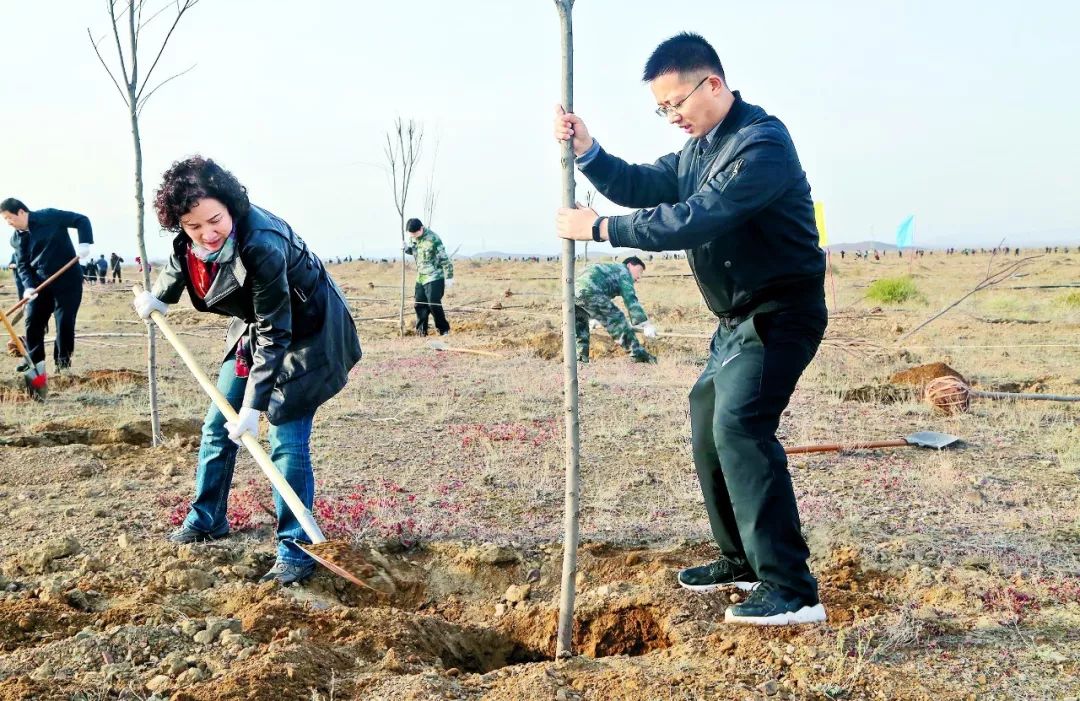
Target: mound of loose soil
x,y
94,431
97,380
14,390
920,375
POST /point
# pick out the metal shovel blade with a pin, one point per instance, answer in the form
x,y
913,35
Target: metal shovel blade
x,y
931,439
37,383
341,559
438,345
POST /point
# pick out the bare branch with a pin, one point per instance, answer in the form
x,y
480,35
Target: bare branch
x,y
158,13
119,49
989,281
142,102
410,141
431,197
133,35
993,254
180,10
391,157
123,95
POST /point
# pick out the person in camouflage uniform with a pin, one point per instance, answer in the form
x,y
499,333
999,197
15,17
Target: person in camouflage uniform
x,y
595,289
434,273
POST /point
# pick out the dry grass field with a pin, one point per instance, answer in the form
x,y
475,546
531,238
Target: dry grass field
x,y
946,575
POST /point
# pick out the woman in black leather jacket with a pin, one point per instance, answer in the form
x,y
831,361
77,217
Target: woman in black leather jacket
x,y
289,348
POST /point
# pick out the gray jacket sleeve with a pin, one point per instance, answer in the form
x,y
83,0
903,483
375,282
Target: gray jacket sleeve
x,y
756,177
634,185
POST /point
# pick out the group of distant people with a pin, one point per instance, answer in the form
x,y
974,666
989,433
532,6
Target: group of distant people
x,y
96,270
866,254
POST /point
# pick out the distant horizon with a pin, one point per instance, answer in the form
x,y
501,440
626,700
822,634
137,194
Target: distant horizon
x,y
607,252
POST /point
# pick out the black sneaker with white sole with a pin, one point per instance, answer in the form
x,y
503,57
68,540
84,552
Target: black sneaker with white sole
x,y
769,605
725,572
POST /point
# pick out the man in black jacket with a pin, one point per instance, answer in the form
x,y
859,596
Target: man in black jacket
x,y
737,200
43,246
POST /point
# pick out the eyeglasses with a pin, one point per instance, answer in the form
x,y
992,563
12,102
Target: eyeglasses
x,y
668,110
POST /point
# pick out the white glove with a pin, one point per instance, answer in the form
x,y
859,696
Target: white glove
x,y
84,253
247,423
594,324
450,282
29,293
145,303
648,329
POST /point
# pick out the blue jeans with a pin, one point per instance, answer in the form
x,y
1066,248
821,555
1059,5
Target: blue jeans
x,y
290,451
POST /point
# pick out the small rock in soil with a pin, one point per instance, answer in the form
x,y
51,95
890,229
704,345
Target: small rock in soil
x,y
158,683
189,580
191,676
517,592
490,554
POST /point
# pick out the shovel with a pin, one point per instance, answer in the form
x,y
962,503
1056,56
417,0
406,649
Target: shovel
x,y
921,439
336,556
44,283
34,377
16,311
440,346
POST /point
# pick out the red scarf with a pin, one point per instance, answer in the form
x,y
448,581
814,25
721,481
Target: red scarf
x,y
201,274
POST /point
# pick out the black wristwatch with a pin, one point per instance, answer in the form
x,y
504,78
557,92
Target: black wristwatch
x,y
596,229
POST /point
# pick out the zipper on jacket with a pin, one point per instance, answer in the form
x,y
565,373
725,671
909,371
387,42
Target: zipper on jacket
x,y
734,172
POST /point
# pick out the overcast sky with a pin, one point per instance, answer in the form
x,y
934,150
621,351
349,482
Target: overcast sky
x,y
962,113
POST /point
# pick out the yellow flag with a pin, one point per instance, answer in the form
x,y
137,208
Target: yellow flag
x,y
819,216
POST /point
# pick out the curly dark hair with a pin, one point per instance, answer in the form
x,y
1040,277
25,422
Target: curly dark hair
x,y
192,179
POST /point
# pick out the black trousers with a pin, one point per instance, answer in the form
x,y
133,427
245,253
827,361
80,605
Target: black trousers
x,y
63,305
735,409
116,276
429,301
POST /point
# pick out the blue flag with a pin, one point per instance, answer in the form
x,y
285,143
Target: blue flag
x,y
905,233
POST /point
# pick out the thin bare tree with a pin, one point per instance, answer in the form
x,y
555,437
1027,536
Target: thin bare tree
x,y
431,197
136,90
403,146
572,496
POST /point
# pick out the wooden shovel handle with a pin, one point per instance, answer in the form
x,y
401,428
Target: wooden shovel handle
x,y
837,447
18,341
468,350
44,283
307,522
